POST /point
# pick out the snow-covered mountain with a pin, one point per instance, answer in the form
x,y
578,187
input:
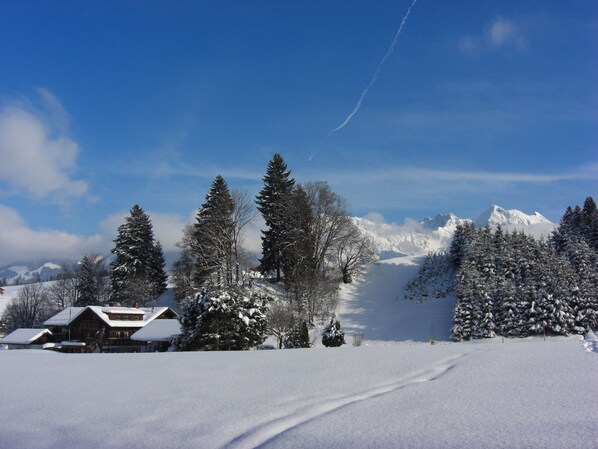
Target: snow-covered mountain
x,y
511,220
30,270
411,238
435,234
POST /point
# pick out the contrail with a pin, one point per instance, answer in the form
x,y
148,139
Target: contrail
x,y
377,72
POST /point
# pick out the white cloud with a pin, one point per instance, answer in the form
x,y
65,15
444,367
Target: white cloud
x,y
500,33
503,32
55,112
375,217
469,44
253,235
21,243
38,157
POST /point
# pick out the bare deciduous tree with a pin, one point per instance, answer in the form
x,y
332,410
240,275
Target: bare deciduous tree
x,y
29,309
329,224
183,269
62,293
280,321
329,221
353,252
243,214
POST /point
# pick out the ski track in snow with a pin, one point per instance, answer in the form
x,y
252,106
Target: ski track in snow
x,y
268,431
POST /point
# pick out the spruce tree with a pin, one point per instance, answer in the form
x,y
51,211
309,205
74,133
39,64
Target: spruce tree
x,y
213,237
507,311
183,270
297,261
464,234
593,233
91,277
590,222
584,291
158,270
133,272
272,202
589,209
299,336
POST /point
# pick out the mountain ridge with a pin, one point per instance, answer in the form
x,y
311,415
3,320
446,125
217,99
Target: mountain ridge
x,y
414,238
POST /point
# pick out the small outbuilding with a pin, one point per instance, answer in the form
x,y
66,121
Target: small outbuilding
x,y
28,339
156,336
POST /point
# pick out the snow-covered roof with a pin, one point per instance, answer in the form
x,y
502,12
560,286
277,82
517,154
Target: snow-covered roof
x,y
158,330
64,317
148,314
23,336
127,310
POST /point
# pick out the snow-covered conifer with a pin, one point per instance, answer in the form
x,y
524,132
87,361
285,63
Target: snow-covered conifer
x,y
222,320
213,237
299,336
134,274
92,286
333,335
273,202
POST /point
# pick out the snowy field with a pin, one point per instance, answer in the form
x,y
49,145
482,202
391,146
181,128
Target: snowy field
x,y
521,393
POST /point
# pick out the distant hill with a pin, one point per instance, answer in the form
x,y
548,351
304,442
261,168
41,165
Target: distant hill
x,y
29,271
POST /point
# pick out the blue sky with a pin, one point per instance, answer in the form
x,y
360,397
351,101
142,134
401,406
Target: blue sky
x,y
104,105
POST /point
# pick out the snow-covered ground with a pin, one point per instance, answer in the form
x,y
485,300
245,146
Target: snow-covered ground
x,y
395,391
376,307
521,393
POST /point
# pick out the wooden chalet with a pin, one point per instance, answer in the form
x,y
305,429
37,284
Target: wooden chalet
x,y
104,328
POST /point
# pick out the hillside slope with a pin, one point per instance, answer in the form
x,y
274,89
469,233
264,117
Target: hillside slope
x,y
375,306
